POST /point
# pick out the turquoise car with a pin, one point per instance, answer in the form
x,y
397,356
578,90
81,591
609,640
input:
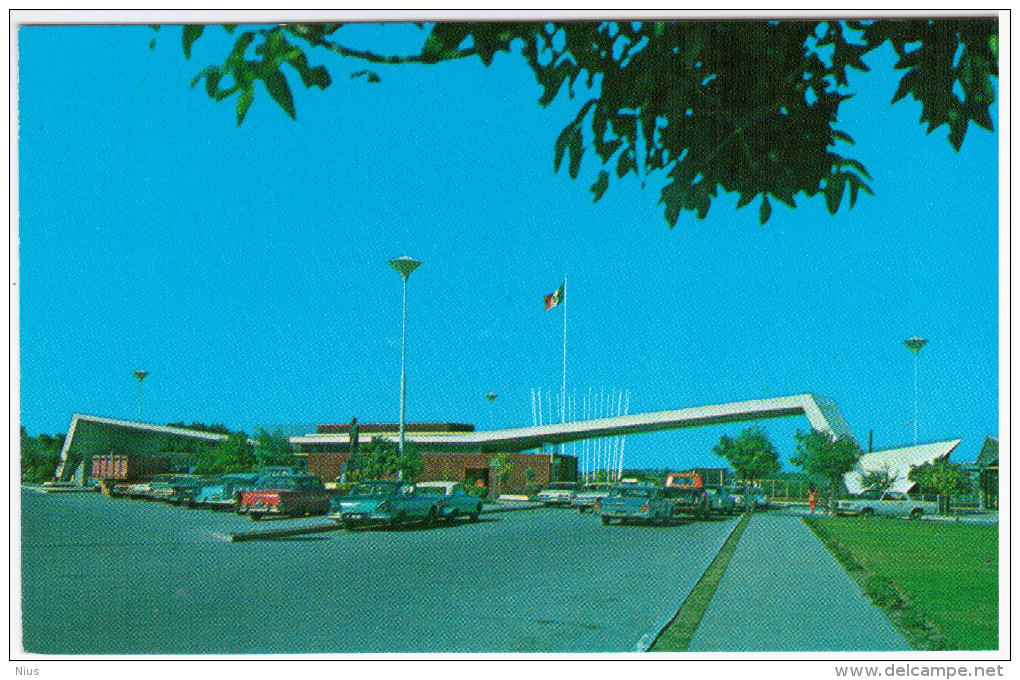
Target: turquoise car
x,y
222,494
453,500
392,504
639,502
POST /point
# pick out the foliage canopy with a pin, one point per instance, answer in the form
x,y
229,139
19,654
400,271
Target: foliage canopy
x,y
743,106
819,453
940,477
751,455
381,459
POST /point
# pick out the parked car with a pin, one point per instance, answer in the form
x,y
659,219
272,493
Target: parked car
x,y
584,500
453,500
558,493
719,500
634,502
687,500
179,491
889,504
294,495
761,500
221,494
144,489
384,502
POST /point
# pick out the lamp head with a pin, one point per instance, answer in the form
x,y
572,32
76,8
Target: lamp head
x,y
915,344
404,265
140,374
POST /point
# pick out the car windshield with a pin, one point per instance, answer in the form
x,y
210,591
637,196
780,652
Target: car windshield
x,y
560,486
632,492
588,488
375,489
871,495
276,484
433,490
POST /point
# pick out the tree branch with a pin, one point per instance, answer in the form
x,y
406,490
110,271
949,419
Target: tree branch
x,y
372,57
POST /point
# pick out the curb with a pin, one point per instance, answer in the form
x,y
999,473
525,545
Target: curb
x,y
266,534
646,641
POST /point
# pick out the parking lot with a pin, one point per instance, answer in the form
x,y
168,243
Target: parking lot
x,y
108,576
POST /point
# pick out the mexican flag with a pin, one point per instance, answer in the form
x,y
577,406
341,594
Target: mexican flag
x,y
553,299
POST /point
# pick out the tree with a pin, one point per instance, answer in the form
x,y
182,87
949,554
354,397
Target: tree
x,y
878,480
748,107
233,454
941,478
821,454
751,455
381,459
40,457
273,448
504,468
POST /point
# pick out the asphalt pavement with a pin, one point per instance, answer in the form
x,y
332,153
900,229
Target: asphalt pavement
x,y
784,592
111,576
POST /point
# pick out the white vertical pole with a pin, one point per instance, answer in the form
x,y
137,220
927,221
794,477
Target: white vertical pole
x,y
534,418
915,398
563,412
623,440
539,405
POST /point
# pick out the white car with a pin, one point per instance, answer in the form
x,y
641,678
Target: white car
x,y
455,501
558,493
889,504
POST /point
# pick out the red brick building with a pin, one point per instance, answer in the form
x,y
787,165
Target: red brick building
x,y
326,460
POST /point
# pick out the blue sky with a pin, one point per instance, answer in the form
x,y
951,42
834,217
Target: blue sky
x,y
246,268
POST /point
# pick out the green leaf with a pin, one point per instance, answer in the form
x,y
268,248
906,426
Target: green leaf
x,y
576,152
212,81
834,188
243,102
561,145
600,185
279,90
957,131
765,211
369,76
745,198
191,33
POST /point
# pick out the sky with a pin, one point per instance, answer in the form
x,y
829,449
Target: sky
x,y
245,268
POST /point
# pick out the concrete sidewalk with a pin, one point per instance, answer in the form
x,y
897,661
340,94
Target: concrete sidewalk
x,y
784,592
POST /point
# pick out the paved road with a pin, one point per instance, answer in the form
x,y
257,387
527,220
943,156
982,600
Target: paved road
x,y
105,576
784,592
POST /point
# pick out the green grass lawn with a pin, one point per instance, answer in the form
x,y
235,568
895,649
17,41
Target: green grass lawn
x,y
948,570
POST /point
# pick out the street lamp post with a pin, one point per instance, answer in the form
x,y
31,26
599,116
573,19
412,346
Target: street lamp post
x,y
140,374
915,344
404,266
491,396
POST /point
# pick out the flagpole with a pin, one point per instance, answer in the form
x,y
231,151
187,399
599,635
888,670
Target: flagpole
x,y
563,413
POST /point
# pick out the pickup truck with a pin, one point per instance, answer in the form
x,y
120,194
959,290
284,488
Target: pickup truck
x,y
888,504
686,491
295,495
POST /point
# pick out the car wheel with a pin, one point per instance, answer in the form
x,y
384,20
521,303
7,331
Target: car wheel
x,y
430,519
916,513
474,515
605,520
398,521
452,516
346,523
255,516
867,512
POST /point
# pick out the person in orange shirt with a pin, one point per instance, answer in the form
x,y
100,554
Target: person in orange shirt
x,y
812,498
